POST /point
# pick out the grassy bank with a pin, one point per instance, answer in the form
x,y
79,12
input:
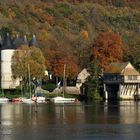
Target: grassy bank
x,y
16,94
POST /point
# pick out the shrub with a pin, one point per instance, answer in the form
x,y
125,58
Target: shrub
x,y
49,86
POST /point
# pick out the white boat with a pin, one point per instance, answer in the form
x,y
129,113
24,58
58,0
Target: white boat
x,y
28,100
4,100
33,99
18,100
41,100
60,99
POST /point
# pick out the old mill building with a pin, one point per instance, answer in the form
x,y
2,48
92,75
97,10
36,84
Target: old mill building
x,y
121,81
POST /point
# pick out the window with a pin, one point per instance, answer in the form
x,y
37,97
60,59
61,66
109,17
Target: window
x,y
132,77
79,81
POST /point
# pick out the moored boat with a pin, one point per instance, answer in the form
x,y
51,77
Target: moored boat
x,y
17,100
39,99
27,100
4,100
60,99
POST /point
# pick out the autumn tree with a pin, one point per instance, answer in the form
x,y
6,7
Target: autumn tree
x,y
82,49
59,55
107,48
132,49
28,56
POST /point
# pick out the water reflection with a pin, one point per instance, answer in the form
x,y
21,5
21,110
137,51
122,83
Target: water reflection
x,y
130,112
103,120
70,114
123,112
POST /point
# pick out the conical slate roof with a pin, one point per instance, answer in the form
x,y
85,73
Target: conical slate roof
x,y
1,42
7,43
17,42
25,41
33,41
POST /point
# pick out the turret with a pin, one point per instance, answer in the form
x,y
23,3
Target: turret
x,y
1,42
25,41
17,42
7,43
7,51
33,41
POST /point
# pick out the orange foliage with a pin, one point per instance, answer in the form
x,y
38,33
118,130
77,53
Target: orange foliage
x,y
49,19
57,57
84,34
72,68
57,63
107,48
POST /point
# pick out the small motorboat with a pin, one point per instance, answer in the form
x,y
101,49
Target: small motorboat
x,y
4,100
17,100
28,100
60,99
39,99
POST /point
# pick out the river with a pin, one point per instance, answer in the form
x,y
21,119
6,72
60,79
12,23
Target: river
x,y
80,121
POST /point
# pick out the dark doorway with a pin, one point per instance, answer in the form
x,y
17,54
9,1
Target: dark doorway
x,y
113,91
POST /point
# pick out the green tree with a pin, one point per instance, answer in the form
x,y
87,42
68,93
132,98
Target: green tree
x,y
119,3
93,82
5,30
28,56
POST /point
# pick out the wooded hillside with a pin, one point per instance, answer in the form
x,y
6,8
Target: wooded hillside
x,y
66,29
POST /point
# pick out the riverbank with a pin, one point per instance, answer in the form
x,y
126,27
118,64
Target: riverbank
x,y
48,96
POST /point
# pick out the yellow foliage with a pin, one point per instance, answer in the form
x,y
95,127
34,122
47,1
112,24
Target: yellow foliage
x,y
11,13
43,35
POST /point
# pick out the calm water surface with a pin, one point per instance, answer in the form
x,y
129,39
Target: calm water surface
x,y
82,121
